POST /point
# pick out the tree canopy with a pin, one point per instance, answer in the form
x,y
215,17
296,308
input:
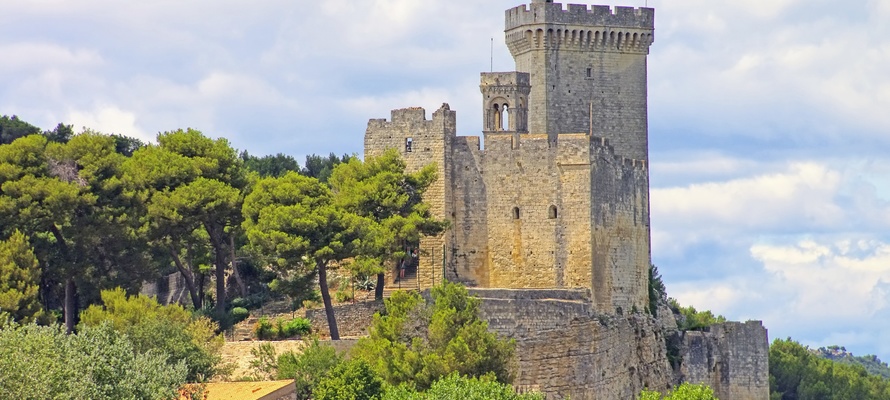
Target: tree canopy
x,y
421,343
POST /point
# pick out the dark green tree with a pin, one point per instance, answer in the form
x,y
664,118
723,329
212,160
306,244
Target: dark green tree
x,y
192,189
12,128
321,167
390,201
293,219
269,165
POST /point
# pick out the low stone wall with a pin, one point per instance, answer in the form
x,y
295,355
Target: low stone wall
x,y
168,289
352,319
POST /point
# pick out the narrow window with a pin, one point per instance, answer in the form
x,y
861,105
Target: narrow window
x,y
552,212
506,119
408,143
515,212
589,72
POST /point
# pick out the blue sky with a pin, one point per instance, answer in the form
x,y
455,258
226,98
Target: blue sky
x,y
769,119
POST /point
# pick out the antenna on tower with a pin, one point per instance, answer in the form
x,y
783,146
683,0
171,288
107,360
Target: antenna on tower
x,y
492,56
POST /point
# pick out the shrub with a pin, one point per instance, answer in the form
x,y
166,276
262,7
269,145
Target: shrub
x,y
171,330
352,379
240,302
265,330
295,327
343,296
239,314
308,368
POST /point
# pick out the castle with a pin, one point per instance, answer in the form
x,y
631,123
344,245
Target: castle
x,y
559,197
550,220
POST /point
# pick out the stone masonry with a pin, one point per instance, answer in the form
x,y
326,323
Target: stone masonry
x,y
559,196
549,209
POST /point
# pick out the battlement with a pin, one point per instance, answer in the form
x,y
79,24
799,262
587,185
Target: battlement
x,y
580,14
512,78
412,115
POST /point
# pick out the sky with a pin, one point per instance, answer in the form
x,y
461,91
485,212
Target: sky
x,y
769,120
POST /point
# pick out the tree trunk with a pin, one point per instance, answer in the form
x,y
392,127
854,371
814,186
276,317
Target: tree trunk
x,y
326,298
219,255
241,286
378,288
70,304
189,278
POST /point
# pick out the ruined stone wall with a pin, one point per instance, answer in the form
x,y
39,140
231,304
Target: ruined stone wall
x,y
169,289
620,230
431,142
732,358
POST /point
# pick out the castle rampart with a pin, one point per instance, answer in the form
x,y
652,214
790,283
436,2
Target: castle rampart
x,y
579,14
550,218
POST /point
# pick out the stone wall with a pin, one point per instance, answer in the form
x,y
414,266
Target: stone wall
x,y
168,289
430,141
620,230
352,319
565,349
732,358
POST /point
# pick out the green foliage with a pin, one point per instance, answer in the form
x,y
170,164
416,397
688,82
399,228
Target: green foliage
x,y
296,327
270,166
19,280
871,363
239,314
798,373
456,387
420,343
169,330
390,207
264,362
265,329
320,167
293,219
694,320
12,128
308,368
69,200
685,391
657,290
349,380
97,363
281,329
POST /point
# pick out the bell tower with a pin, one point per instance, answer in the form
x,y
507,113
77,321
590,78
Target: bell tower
x,y
505,102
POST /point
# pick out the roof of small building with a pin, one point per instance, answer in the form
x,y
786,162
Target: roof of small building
x,y
247,390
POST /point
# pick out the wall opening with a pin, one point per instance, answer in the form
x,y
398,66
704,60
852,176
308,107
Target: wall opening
x,y
552,213
497,123
589,72
506,118
409,143
515,212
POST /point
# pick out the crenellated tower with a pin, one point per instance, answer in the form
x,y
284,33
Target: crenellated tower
x,y
587,70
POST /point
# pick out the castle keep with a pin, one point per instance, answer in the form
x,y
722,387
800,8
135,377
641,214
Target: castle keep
x,y
550,218
559,197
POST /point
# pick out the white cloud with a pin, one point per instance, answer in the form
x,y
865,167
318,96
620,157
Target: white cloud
x,y
109,119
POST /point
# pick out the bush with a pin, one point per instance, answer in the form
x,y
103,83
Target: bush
x,y
308,368
343,296
240,302
352,379
265,330
294,327
281,329
171,330
239,314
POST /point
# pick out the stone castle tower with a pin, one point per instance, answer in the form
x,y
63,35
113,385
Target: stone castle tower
x,y
559,197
